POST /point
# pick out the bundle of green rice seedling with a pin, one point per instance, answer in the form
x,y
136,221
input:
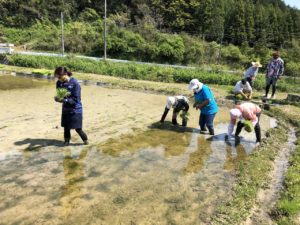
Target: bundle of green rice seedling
x,y
184,115
248,125
42,72
61,93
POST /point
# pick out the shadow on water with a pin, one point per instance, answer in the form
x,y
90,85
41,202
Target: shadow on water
x,y
38,143
168,126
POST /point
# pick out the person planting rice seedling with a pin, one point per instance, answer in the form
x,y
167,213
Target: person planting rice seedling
x,y
69,94
205,101
178,103
244,89
248,114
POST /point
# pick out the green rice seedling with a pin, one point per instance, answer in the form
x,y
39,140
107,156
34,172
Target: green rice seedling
x,y
61,93
184,115
42,72
248,125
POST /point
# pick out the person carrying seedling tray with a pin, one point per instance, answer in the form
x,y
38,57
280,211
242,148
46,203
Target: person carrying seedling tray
x,y
248,114
178,103
68,92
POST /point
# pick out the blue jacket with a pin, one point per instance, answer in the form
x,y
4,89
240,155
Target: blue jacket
x,y
204,94
71,103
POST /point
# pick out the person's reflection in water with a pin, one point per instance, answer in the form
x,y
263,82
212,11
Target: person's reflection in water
x,y
198,158
74,175
174,143
231,160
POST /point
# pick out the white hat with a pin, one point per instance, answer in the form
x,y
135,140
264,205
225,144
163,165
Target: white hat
x,y
195,83
170,102
256,64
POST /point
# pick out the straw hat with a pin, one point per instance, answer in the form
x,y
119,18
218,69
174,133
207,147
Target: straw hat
x,y
256,64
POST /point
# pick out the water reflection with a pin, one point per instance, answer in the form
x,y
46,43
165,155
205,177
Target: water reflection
x,y
235,152
74,176
165,176
174,143
198,158
8,82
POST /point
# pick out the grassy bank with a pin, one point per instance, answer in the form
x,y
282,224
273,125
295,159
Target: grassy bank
x,y
143,72
253,175
141,85
287,210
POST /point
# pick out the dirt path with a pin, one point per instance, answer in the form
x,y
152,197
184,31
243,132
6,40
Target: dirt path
x,y
266,198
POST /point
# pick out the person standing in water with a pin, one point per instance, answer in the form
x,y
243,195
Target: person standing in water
x,y
71,117
205,102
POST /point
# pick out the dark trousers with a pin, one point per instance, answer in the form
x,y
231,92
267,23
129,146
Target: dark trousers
x,y
67,134
271,81
240,126
208,121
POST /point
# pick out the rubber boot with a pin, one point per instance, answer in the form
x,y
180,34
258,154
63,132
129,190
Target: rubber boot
x,y
257,133
174,121
184,123
164,115
67,142
211,132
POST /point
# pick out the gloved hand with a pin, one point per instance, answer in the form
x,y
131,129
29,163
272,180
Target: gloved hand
x,y
58,100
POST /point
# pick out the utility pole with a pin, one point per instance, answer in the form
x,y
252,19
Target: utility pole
x,y
104,29
62,34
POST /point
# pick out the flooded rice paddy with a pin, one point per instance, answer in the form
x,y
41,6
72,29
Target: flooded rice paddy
x,y
135,171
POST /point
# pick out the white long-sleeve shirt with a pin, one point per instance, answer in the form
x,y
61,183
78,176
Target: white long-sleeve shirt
x,y
242,87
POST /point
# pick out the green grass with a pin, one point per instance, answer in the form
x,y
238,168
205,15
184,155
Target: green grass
x,y
141,72
42,72
253,175
288,207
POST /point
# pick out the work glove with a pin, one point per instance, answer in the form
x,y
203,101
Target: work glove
x,y
58,100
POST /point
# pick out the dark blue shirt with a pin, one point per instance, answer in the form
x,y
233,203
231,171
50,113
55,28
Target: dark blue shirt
x,y
71,103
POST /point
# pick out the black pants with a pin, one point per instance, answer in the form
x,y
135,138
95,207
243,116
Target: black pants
x,y
67,134
273,89
240,126
250,81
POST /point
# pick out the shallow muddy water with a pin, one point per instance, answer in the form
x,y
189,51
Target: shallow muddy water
x,y
8,82
157,175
